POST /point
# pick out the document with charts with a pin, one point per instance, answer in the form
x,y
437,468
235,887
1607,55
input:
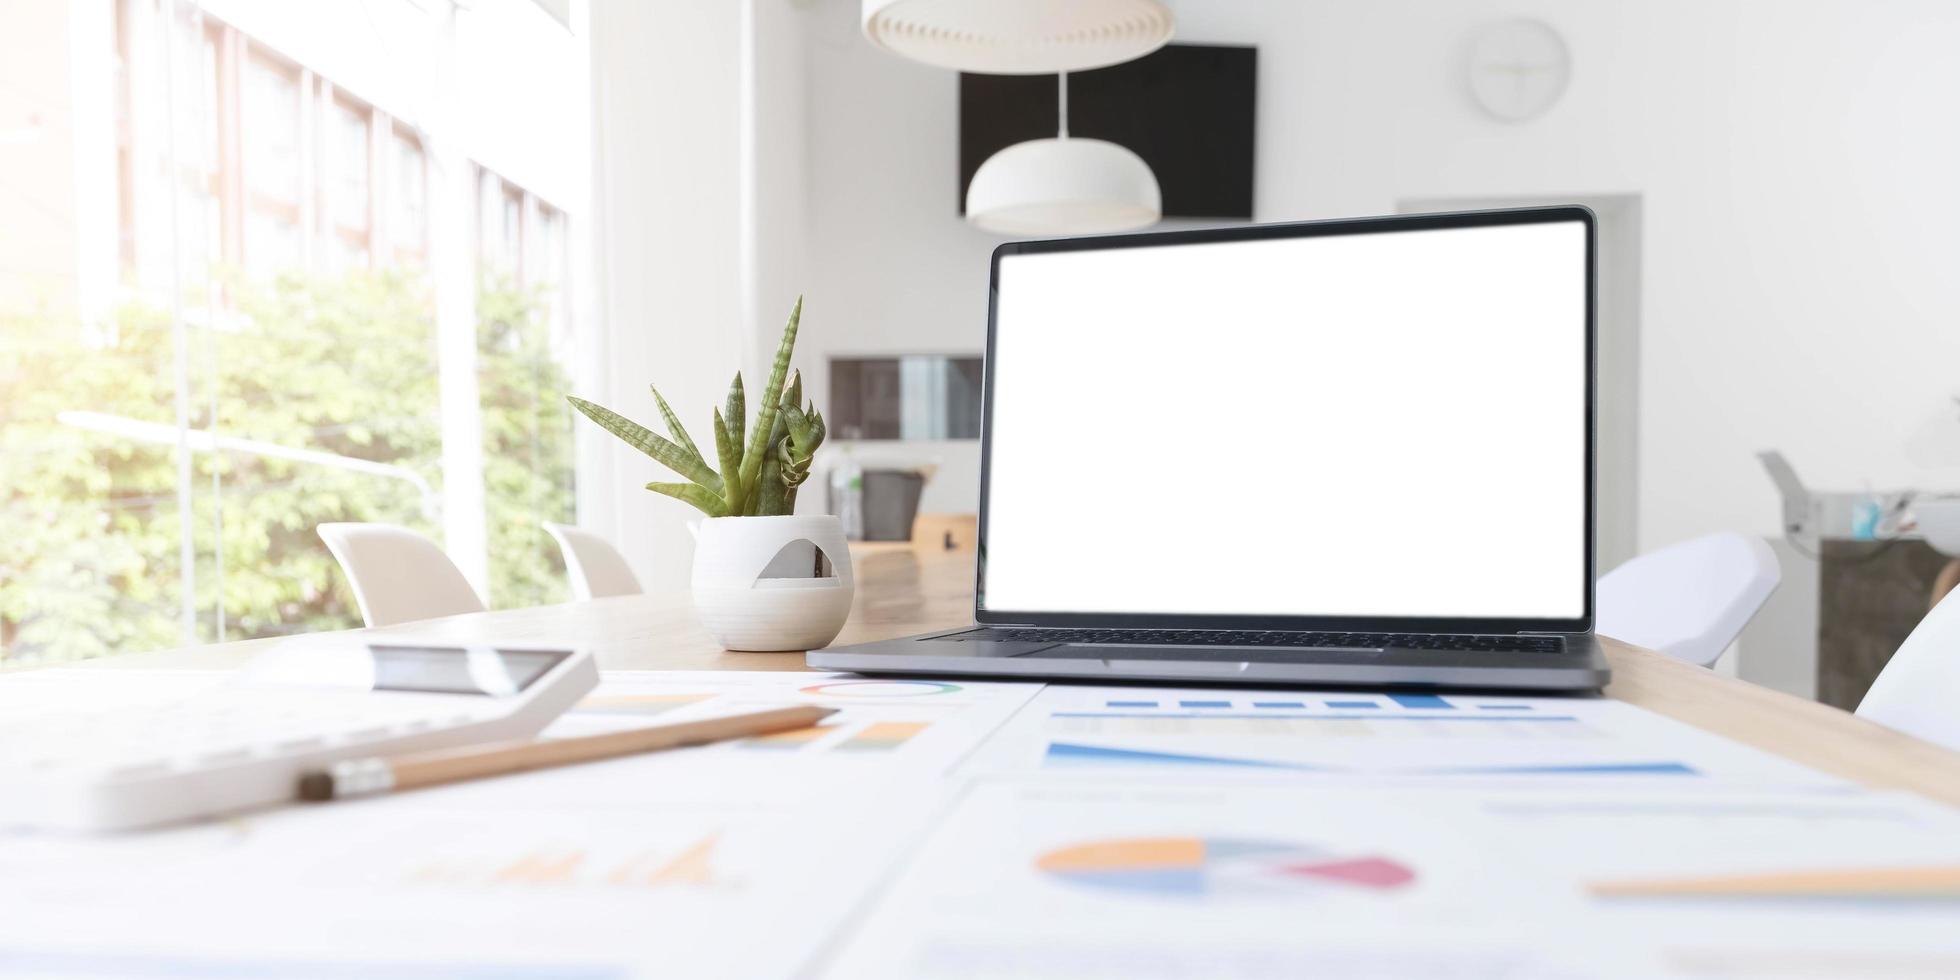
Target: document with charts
x,y
1091,878
884,730
653,865
1201,733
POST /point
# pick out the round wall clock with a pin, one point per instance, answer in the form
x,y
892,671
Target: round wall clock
x,y
1518,68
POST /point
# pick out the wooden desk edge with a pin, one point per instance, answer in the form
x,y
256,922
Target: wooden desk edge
x,y
1817,735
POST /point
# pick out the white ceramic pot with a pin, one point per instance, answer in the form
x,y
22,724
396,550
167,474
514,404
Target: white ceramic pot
x,y
772,583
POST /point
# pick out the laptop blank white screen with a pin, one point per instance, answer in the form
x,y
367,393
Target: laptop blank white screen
x,y
1383,424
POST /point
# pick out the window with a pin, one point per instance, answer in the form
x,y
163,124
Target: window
x,y
280,224
348,190
523,344
500,225
408,215
921,396
270,129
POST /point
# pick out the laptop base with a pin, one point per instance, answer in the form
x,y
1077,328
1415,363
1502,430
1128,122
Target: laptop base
x,y
1580,666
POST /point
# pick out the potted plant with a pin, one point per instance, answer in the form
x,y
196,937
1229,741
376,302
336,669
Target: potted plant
x,y
764,578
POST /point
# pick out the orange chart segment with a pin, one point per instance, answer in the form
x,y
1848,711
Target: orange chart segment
x,y
1121,855
795,738
573,867
883,736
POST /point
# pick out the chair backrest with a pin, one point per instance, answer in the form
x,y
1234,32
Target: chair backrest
x,y
398,575
1689,600
1918,692
596,568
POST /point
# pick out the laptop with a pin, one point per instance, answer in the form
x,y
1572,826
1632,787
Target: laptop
x,y
1353,452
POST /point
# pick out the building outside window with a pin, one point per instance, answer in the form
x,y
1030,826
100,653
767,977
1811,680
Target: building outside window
x,y
348,190
278,319
408,214
270,132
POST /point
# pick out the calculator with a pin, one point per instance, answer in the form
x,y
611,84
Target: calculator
x,y
243,742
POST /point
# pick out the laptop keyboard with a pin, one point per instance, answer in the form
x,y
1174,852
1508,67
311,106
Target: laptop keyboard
x,y
1474,642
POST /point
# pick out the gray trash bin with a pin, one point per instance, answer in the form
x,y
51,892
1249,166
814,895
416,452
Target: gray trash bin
x,y
891,501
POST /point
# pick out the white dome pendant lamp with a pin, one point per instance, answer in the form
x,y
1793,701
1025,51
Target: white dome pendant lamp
x,y
1018,37
1063,186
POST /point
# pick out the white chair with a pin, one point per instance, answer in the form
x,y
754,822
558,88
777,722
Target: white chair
x,y
1689,600
595,567
1918,692
398,575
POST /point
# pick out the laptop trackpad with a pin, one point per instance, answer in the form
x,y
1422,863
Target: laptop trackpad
x,y
1232,655
989,648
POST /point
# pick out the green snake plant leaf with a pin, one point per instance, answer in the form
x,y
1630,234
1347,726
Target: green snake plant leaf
x,y
692,493
805,434
726,447
733,414
772,497
791,469
806,430
793,392
674,426
765,475
643,439
772,394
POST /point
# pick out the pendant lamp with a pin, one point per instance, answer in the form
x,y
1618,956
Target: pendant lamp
x,y
1063,186
1018,37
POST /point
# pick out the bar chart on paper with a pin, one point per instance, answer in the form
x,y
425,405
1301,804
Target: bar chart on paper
x,y
1211,732
1815,850
878,722
568,865
852,738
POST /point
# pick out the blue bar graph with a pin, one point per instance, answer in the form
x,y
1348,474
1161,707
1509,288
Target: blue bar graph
x,y
1310,715
1352,704
1132,704
1278,704
1204,704
1504,707
1420,701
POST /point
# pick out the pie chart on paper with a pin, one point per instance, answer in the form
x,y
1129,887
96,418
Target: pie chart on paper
x,y
1219,867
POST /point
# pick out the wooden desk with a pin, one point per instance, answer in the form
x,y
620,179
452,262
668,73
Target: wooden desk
x,y
902,590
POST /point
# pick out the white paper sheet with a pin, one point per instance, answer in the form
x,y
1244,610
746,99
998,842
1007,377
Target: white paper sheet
x,y
1447,837
1206,733
1092,878
668,864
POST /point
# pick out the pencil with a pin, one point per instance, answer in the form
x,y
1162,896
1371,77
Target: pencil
x,y
366,777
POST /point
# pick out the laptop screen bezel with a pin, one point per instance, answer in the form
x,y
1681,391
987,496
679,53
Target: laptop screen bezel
x,y
1305,229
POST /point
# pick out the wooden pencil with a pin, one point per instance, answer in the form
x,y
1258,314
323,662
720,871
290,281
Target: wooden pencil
x,y
365,777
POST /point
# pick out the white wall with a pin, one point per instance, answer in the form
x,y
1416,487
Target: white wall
x,y
893,269
1796,171
1795,174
